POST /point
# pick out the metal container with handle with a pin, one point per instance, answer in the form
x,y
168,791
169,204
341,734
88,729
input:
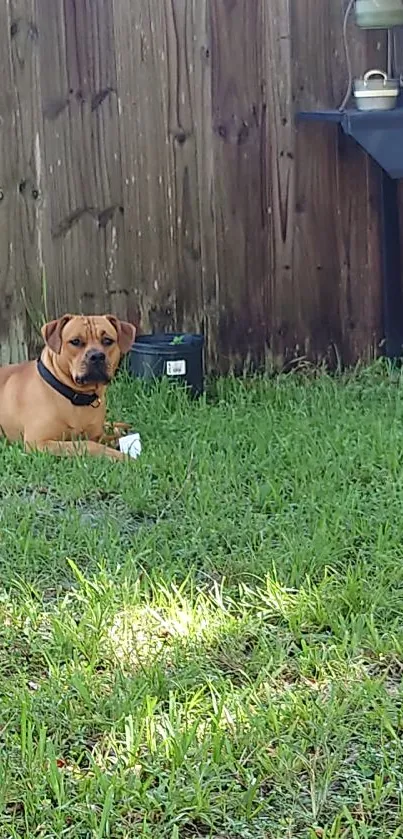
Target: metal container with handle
x,y
376,92
379,14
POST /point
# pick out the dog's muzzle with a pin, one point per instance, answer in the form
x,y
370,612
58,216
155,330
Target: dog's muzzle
x,y
95,369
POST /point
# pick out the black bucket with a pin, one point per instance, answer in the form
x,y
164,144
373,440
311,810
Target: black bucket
x,y
177,356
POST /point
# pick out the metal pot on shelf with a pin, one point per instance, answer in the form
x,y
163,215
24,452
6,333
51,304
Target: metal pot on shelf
x,y
379,14
376,92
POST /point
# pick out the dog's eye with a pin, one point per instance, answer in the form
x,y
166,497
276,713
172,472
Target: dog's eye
x,y
75,342
107,342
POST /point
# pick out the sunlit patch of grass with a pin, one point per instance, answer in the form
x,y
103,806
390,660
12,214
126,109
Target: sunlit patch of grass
x,y
208,641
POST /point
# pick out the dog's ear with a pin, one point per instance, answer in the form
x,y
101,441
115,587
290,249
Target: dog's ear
x,y
52,332
126,333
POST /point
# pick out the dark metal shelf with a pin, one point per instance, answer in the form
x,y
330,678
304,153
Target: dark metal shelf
x,y
380,133
353,114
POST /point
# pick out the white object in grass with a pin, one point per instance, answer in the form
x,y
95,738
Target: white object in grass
x,y
130,444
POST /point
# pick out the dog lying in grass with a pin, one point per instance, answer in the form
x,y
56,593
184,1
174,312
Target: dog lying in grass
x,y
57,404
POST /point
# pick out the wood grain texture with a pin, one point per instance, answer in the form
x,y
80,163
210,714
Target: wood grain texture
x,y
242,216
150,166
141,29
397,70
85,249
11,331
280,176
182,56
336,249
205,141
20,179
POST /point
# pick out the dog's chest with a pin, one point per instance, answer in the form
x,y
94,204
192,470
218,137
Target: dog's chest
x,y
84,421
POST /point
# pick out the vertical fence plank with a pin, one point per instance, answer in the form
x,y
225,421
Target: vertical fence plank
x,y
20,179
82,153
182,36
11,339
148,159
203,103
243,223
336,255
397,69
285,295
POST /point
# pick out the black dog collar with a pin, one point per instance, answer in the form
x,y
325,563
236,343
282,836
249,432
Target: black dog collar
x,y
78,399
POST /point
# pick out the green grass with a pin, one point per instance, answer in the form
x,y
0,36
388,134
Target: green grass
x,y
208,642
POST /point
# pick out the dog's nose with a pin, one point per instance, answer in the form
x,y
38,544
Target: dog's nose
x,y
96,356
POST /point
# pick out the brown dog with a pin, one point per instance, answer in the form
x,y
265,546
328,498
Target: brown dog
x,y
60,400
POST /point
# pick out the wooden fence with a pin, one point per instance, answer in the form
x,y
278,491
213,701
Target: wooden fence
x,y
150,166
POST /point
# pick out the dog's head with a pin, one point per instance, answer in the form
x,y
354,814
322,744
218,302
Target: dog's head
x,y
89,348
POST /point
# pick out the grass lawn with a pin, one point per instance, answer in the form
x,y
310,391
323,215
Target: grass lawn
x,y
209,641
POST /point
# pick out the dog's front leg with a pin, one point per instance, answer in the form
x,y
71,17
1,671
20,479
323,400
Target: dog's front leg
x,y
112,431
71,448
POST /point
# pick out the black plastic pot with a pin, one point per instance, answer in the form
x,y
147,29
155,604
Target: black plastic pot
x,y
177,356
